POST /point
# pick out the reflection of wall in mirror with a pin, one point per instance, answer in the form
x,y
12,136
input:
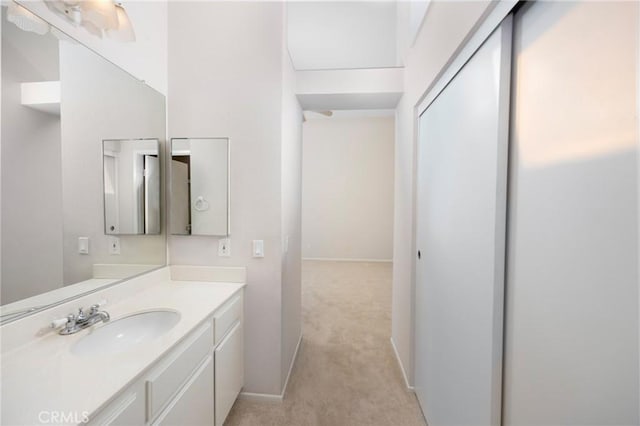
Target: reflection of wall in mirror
x,y
209,186
105,103
31,170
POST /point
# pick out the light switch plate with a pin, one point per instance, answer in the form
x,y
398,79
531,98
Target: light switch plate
x,y
83,245
224,247
114,245
258,248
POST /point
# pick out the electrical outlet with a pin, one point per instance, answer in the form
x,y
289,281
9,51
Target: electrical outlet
x,y
224,247
114,245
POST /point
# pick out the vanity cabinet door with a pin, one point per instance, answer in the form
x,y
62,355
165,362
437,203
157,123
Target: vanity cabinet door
x,y
194,403
229,372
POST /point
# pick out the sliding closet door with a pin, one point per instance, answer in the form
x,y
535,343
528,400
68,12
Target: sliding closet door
x,y
571,353
462,167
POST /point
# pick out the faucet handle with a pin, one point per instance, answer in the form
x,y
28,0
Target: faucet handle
x,y
57,323
95,307
70,320
81,315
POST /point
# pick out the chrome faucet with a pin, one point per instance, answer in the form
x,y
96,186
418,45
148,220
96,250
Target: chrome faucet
x,y
74,323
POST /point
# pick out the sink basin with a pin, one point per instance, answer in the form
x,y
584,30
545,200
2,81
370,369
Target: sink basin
x,y
125,333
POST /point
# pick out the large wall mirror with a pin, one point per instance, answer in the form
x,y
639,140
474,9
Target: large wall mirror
x,y
60,101
200,186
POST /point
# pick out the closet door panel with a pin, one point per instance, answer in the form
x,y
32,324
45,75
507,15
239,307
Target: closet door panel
x,y
461,210
571,353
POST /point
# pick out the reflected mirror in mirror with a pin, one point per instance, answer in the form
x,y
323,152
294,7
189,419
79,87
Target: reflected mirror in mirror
x,y
200,186
60,101
131,186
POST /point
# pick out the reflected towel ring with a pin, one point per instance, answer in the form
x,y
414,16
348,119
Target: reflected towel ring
x,y
201,204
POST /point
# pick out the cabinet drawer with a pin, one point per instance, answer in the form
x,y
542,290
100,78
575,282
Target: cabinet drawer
x,y
194,404
167,378
226,317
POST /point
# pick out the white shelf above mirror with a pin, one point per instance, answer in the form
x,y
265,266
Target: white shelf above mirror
x,y
41,95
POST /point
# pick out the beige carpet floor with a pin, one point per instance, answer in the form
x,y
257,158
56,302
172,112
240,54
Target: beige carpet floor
x,y
346,372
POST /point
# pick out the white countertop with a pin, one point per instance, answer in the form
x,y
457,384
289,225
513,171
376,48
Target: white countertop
x,y
43,374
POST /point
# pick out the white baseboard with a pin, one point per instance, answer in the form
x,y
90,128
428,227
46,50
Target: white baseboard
x,y
260,397
342,259
268,397
404,373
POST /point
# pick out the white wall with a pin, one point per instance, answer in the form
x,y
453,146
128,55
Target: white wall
x,y
100,102
146,58
347,202
31,170
379,88
291,187
379,80
337,35
446,26
571,353
226,79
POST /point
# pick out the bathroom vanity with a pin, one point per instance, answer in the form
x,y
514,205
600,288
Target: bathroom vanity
x,y
187,370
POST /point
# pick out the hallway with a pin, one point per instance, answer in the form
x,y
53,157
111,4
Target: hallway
x,y
346,372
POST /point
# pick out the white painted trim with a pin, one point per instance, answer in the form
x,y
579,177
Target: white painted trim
x,y
404,373
293,361
268,397
490,23
260,397
638,183
342,259
424,18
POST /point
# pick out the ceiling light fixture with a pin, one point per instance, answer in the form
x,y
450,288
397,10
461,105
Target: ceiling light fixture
x,y
124,32
98,17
